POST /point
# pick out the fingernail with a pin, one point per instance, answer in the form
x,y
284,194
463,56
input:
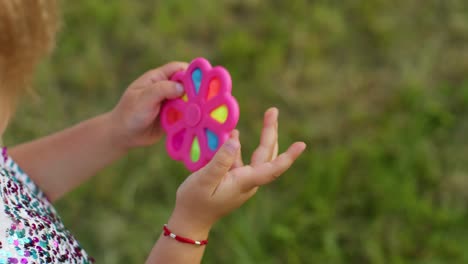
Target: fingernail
x,y
179,88
232,145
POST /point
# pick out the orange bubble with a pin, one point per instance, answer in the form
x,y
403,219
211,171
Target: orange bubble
x,y
213,88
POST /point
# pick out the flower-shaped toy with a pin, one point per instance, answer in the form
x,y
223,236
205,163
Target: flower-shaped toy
x,y
199,122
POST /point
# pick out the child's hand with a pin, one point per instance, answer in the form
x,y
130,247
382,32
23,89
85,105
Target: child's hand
x,y
133,120
226,183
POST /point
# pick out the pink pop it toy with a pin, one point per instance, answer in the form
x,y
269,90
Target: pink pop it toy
x,y
199,122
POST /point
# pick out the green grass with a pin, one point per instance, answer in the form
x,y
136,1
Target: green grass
x,y
378,89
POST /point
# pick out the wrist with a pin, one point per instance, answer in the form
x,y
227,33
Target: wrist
x,y
116,141
185,226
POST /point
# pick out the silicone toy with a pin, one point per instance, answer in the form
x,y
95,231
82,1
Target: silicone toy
x,y
199,122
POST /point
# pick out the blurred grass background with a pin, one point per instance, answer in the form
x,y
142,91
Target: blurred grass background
x,y
378,89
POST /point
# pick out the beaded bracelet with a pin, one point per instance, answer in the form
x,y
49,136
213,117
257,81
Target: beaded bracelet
x,y
168,232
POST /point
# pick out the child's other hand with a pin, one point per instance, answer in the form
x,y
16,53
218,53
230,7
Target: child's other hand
x,y
226,183
134,119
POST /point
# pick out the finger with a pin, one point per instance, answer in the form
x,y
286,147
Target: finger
x,y
162,90
164,72
268,139
275,150
223,160
252,177
238,162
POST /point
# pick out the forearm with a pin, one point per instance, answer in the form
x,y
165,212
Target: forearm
x,y
61,161
168,250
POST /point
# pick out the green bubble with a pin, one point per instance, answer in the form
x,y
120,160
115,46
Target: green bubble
x,y
195,150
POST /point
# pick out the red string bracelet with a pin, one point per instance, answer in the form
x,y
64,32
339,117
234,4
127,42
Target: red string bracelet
x,y
168,232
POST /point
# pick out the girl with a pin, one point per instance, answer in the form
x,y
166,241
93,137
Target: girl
x,y
31,231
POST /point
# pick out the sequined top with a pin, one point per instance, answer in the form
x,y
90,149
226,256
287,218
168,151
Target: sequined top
x,y
30,229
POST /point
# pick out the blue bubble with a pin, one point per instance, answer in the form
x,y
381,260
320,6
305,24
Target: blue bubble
x,y
213,141
197,78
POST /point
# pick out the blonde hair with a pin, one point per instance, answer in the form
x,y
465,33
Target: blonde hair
x,y
27,33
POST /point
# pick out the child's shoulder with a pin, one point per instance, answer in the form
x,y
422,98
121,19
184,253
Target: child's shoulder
x,y
11,169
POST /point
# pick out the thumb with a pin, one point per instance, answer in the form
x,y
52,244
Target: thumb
x,y
163,90
222,161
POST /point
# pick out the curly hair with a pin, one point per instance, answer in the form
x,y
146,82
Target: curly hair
x,y
27,33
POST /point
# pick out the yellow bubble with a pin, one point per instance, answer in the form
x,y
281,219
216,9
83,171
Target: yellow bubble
x,y
220,114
